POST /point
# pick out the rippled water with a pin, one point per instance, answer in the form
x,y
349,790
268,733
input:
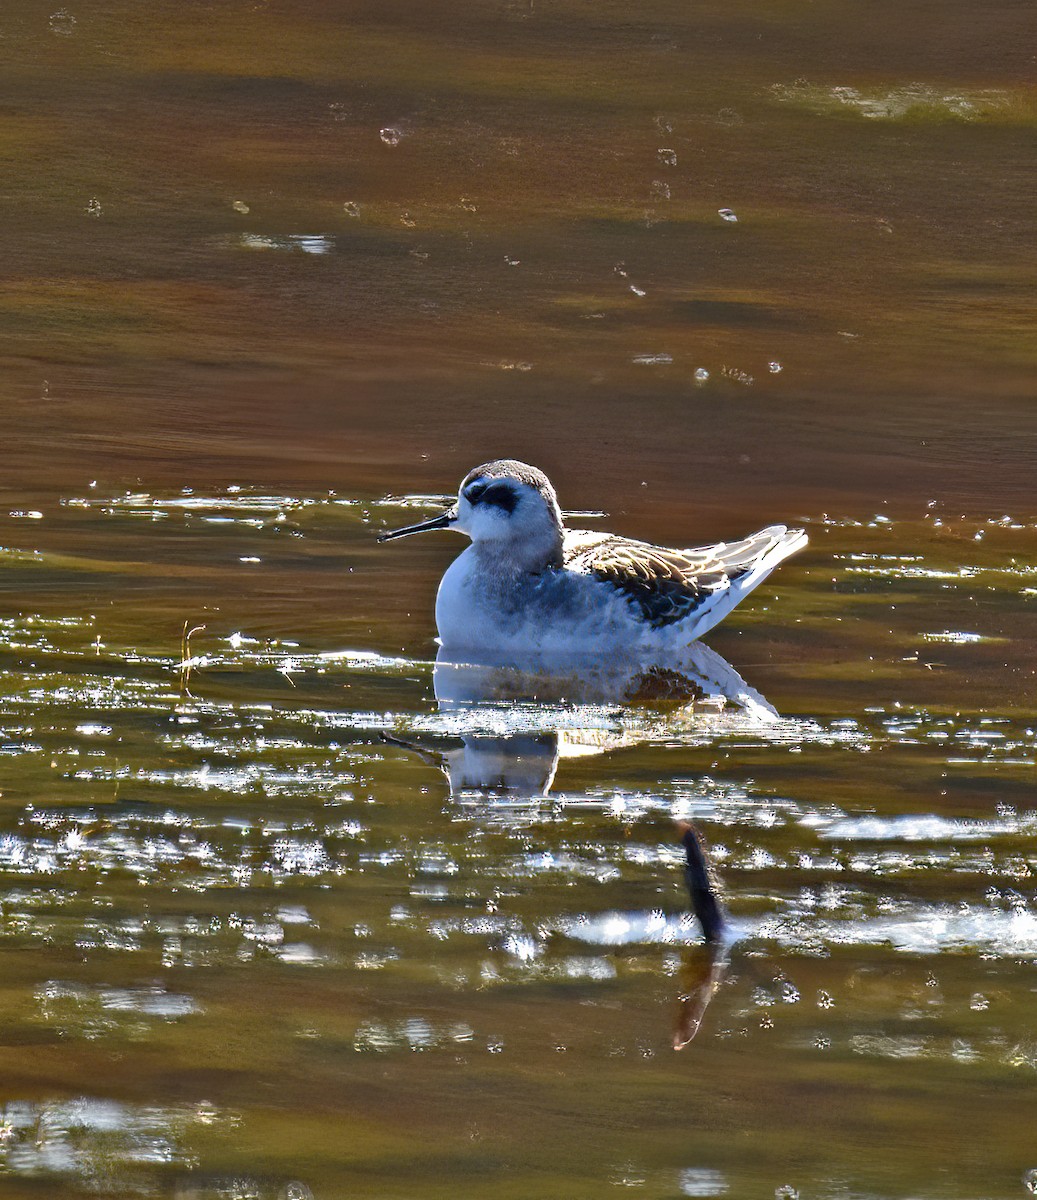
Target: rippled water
x,y
285,913
292,906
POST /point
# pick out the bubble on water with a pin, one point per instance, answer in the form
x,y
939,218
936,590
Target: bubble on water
x,y
390,135
786,1192
660,190
1030,1180
701,376
774,368
351,208
407,220
512,262
638,291
240,206
824,999
666,156
979,1002
93,208
822,1043
466,204
63,23
789,993
727,214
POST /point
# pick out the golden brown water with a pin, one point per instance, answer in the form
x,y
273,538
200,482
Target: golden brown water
x,y
275,275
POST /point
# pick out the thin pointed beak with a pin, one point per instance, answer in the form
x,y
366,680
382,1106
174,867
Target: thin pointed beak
x,y
443,521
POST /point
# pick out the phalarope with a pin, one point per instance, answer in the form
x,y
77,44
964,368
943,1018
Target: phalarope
x,y
528,583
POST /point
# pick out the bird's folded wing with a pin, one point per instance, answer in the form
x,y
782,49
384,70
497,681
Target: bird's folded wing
x,y
667,585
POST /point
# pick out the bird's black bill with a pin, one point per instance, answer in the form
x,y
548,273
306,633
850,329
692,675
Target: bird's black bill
x,y
443,521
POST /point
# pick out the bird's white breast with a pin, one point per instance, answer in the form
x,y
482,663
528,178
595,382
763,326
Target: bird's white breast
x,y
481,604
462,616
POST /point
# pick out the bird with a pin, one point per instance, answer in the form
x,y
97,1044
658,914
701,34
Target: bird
x,y
529,584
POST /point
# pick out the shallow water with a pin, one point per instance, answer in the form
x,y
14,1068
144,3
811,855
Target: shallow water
x,y
287,907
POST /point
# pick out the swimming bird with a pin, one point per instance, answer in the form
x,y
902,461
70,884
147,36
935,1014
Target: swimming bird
x,y
527,583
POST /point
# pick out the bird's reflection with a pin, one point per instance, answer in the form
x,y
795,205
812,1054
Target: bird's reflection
x,y
528,714
694,674
514,720
520,764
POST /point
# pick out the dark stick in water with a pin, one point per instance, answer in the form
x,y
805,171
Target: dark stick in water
x,y
704,902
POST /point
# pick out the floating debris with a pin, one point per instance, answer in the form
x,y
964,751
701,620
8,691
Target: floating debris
x,y
308,243
916,100
63,23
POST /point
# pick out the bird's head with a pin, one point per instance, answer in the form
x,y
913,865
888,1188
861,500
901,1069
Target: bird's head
x,y
507,508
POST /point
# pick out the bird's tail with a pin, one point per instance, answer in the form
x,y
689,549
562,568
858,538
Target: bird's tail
x,y
747,564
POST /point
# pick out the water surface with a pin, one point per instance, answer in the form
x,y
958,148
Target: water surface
x,y
286,910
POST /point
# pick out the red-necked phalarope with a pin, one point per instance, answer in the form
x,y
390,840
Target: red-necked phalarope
x,y
528,583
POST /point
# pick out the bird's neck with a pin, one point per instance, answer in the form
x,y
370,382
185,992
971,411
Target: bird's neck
x,y
531,555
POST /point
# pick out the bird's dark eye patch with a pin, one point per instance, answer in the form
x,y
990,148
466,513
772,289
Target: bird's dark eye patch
x,y
501,495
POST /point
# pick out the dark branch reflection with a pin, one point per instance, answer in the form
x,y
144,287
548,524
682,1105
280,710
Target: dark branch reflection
x,y
702,973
